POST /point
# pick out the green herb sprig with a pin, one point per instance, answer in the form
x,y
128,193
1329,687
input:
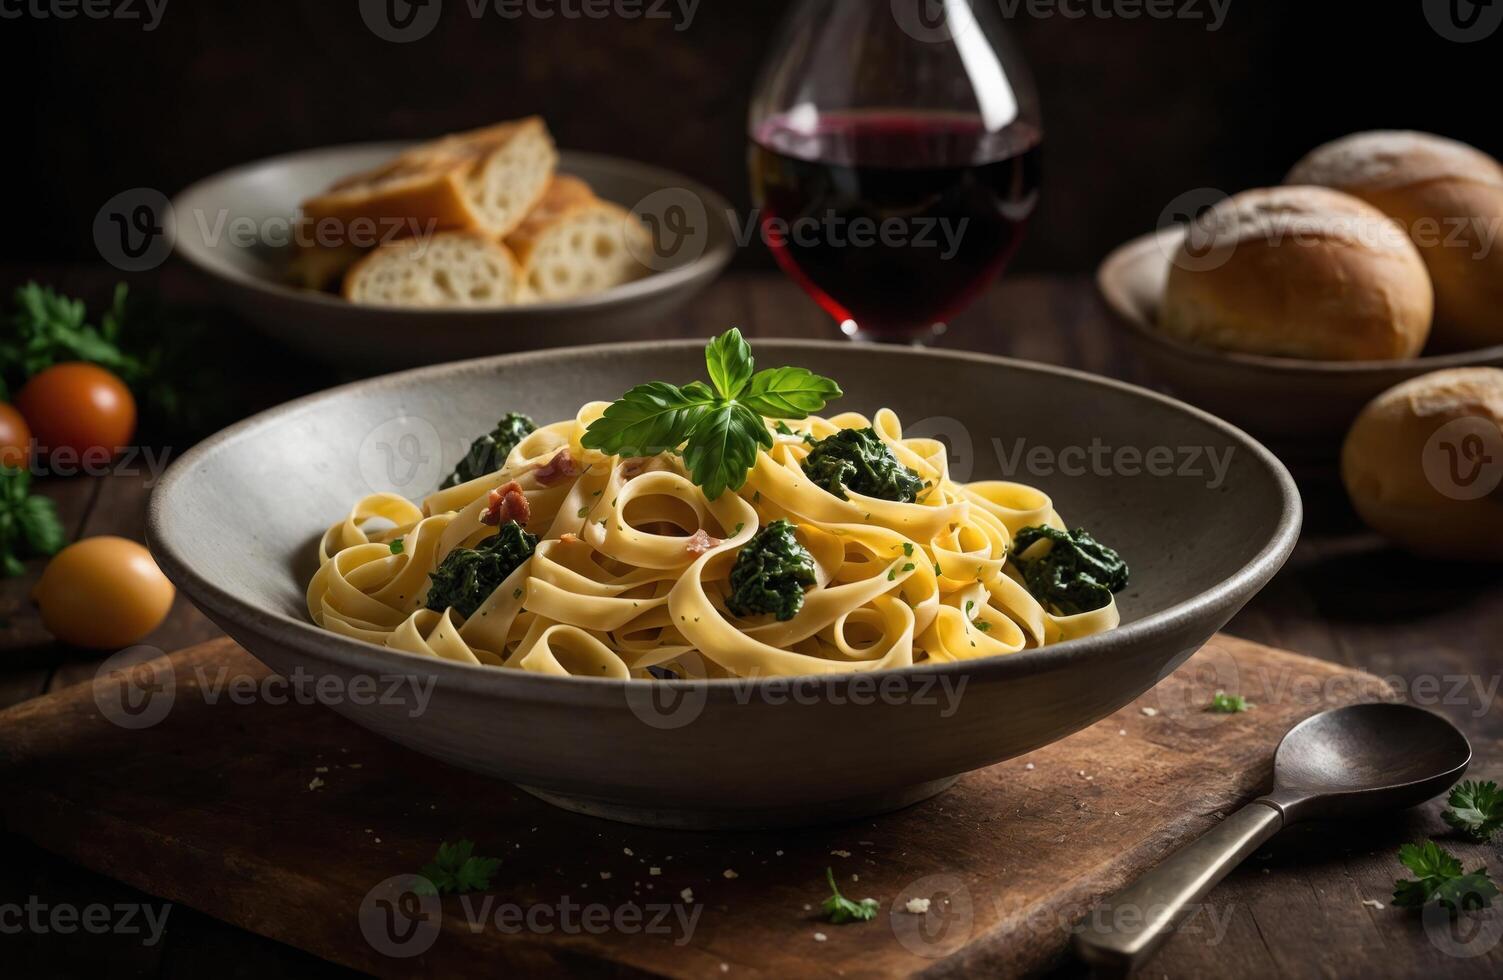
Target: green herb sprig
x,y
1439,879
840,910
29,526
455,870
176,365
1223,703
1475,809
719,428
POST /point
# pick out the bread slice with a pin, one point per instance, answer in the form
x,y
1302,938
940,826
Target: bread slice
x,y
573,243
450,269
485,180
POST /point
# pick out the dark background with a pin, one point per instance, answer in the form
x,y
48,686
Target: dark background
x,y
1135,111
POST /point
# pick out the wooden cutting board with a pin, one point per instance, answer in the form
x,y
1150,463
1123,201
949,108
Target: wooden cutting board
x,y
285,819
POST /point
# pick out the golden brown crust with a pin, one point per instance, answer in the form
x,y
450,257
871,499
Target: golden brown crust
x,y
1418,488
1299,272
563,196
1448,196
426,186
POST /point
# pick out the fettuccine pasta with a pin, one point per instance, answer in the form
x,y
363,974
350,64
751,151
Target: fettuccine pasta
x,y
629,576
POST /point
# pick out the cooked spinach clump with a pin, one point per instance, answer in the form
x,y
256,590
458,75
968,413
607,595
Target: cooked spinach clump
x,y
1077,575
771,573
489,451
467,576
856,459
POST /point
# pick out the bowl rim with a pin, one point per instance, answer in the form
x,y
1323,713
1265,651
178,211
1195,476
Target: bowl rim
x,y
720,249
1109,273
303,635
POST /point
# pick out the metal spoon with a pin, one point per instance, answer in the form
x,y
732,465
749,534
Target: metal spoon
x,y
1345,762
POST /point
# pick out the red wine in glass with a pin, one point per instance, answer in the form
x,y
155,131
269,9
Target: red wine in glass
x,y
893,221
894,157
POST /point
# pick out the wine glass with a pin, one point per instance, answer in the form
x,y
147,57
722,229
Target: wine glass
x,y
894,158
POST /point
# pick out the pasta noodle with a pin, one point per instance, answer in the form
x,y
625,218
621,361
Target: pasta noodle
x,y
630,574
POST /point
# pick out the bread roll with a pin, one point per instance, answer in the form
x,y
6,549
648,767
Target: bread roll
x,y
1449,198
573,243
1423,464
485,180
1299,272
450,269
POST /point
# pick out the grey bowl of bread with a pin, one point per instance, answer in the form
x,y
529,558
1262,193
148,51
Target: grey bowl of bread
x,y
1287,309
1354,319
481,242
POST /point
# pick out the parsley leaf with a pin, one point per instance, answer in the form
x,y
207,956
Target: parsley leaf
x,y
1476,809
729,359
841,910
650,419
29,526
1223,703
788,393
47,328
455,870
1440,880
723,447
720,428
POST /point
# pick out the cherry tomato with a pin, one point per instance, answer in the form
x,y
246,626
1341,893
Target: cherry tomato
x,y
103,592
78,406
15,437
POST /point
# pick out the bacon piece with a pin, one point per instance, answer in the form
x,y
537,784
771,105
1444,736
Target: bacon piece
x,y
507,503
699,542
558,469
568,537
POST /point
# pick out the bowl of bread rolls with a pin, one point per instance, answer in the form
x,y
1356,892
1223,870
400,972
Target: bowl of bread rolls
x,y
1287,310
474,243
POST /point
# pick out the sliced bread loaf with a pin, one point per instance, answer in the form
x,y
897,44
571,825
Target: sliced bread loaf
x,y
484,180
572,243
449,269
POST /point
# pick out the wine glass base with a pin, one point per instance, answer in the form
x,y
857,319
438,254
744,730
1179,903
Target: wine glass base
x,y
921,337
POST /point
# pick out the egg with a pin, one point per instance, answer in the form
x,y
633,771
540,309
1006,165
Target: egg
x,y
104,592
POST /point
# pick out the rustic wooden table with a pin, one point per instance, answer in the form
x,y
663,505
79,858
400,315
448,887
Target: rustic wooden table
x,y
1303,907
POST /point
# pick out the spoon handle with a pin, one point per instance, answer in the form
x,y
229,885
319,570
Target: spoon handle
x,y
1123,931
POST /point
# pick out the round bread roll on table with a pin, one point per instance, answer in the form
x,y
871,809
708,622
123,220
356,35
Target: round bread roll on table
x,y
1448,196
1299,272
1423,464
